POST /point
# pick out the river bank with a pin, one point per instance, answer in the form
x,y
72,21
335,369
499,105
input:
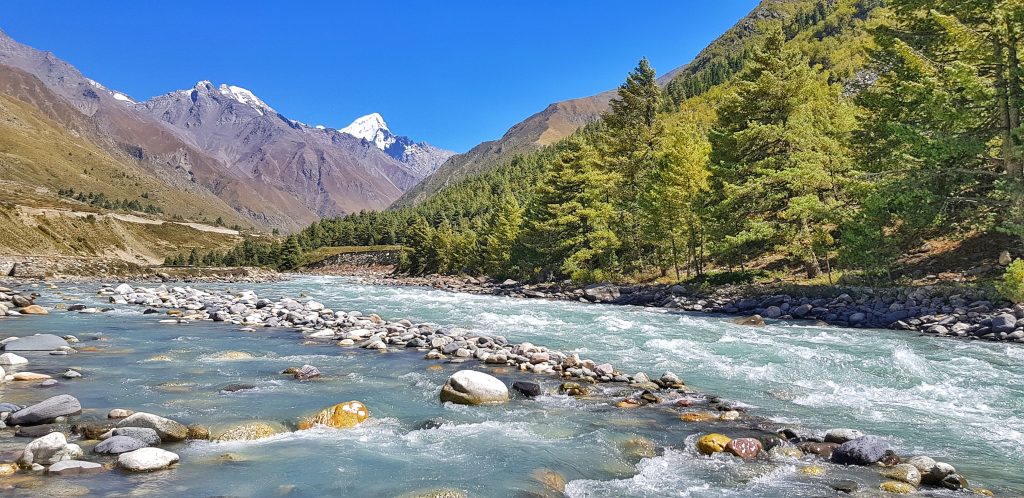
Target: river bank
x,y
936,310
593,382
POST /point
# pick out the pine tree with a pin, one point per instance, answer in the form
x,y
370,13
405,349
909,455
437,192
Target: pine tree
x,y
418,239
629,151
290,254
780,159
669,199
942,138
502,233
571,216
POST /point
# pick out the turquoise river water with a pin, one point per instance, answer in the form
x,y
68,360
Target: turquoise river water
x,y
961,402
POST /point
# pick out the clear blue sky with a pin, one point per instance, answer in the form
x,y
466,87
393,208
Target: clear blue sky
x,y
453,73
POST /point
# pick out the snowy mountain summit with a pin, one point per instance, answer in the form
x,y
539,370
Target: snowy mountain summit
x,y
421,157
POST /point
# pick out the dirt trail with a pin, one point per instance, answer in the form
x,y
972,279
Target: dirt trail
x,y
28,212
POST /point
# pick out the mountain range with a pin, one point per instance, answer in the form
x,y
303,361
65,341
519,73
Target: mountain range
x,y
210,151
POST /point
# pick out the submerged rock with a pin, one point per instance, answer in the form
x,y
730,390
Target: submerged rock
x,y
248,432
38,342
74,467
146,460
341,416
897,487
470,387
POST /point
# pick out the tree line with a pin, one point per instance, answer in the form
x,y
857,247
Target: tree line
x,y
788,153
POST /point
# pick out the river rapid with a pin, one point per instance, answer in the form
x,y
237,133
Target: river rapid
x,y
957,401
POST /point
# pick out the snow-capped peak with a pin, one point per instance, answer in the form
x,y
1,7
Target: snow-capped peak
x,y
366,127
371,127
245,97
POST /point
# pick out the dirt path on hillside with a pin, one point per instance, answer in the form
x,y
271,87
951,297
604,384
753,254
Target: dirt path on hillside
x,y
26,212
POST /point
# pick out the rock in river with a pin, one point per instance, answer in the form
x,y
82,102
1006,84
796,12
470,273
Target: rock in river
x,y
74,467
115,445
144,434
146,460
248,432
903,472
526,388
469,387
49,449
167,429
865,450
746,448
37,342
340,416
841,436
712,443
46,410
12,359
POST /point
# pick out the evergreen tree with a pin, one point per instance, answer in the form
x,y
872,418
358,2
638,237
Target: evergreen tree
x,y
781,159
632,138
571,216
290,254
670,196
502,233
942,136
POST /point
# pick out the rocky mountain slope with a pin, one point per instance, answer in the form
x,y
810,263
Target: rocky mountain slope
x,y
231,154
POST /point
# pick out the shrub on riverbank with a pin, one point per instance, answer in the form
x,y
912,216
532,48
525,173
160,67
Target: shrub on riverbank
x,y
1012,285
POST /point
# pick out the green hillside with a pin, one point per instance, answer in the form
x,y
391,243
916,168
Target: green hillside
x,y
819,139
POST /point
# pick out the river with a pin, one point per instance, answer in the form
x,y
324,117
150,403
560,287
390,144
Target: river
x,y
958,401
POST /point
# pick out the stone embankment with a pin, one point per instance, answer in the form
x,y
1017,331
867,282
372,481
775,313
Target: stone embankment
x,y
928,310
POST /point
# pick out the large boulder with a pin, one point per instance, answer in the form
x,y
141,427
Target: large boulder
x,y
38,342
249,431
1004,323
49,449
601,293
167,429
144,434
146,460
46,410
9,359
470,387
865,450
115,445
340,416
34,309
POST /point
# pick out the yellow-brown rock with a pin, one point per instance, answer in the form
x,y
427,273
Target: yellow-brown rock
x,y
697,417
34,309
249,431
712,443
340,416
